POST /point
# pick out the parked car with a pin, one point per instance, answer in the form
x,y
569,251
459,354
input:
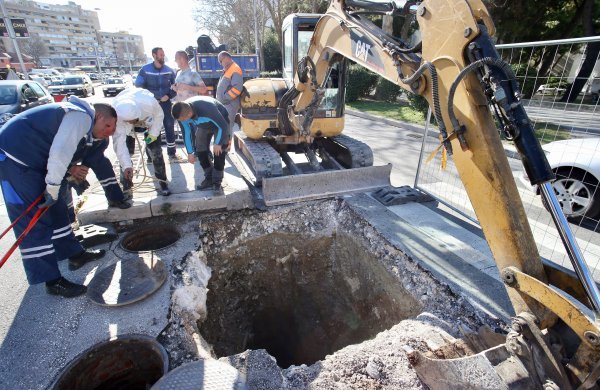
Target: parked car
x,y
79,85
550,90
20,95
39,79
114,85
576,163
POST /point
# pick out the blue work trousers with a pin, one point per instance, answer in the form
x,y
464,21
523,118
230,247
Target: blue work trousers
x,y
52,238
169,124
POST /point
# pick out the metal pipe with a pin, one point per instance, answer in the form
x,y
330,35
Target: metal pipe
x,y
13,38
571,245
549,43
422,147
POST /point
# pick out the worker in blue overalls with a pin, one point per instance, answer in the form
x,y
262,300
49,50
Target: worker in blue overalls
x,y
36,148
93,157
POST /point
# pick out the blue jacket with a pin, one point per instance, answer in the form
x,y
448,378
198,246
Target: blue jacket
x,y
27,137
209,115
157,81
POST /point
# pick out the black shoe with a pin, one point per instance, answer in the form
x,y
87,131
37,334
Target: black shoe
x,y
85,257
65,288
218,190
206,184
164,189
119,204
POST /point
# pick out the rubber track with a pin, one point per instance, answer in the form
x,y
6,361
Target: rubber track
x,y
264,160
361,153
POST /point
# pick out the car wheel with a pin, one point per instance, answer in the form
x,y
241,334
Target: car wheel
x,y
578,193
93,91
85,93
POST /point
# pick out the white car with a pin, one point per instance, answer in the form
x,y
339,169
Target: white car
x,y
576,163
548,90
114,85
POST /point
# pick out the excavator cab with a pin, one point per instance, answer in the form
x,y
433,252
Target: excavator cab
x,y
298,31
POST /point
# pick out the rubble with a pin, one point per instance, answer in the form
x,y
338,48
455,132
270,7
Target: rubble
x,y
309,296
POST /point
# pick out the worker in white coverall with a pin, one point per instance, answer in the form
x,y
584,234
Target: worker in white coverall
x,y
137,108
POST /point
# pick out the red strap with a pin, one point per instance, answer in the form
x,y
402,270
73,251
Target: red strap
x,y
39,198
38,214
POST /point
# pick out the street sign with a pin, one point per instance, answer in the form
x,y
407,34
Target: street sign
x,y
20,28
3,29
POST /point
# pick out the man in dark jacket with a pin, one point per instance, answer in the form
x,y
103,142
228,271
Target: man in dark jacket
x,y
36,148
158,78
208,118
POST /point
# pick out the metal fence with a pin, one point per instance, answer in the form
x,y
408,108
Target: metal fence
x,y
569,134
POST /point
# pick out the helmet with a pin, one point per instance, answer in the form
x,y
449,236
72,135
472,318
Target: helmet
x,y
127,110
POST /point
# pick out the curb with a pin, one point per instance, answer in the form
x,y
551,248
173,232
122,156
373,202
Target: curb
x,y
510,151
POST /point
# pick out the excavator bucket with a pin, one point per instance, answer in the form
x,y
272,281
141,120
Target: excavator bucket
x,y
324,184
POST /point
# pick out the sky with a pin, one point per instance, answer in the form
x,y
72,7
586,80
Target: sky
x,y
167,24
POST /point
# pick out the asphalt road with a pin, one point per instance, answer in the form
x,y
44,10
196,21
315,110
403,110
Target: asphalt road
x,y
401,147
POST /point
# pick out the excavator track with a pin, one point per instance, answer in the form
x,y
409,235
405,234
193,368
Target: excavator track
x,y
264,161
349,152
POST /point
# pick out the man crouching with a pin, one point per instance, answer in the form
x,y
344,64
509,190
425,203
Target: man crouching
x,y
202,118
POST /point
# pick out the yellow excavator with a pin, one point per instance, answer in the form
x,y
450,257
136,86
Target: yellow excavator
x,y
554,342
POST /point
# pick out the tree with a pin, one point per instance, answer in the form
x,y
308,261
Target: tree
x,y
272,51
592,50
531,20
35,47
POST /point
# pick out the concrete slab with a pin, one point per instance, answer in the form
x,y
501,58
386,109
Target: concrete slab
x,y
184,197
463,270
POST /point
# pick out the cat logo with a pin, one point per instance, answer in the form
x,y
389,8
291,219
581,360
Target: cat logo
x,y
362,50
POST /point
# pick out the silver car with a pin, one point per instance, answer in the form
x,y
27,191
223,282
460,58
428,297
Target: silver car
x,y
576,163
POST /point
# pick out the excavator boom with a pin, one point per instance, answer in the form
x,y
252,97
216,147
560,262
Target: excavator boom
x,y
457,69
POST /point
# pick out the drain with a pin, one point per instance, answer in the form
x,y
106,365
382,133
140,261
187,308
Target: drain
x,y
150,238
300,296
128,362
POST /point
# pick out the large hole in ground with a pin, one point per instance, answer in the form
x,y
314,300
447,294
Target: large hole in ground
x,y
300,296
131,362
150,238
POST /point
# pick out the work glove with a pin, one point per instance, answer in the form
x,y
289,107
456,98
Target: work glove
x,y
50,195
149,139
80,186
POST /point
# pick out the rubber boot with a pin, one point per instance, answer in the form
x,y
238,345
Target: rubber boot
x,y
217,179
208,179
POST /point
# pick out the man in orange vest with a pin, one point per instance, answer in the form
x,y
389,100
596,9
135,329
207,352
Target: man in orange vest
x,y
230,85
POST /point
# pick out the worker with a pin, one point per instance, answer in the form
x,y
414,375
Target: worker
x,y
188,83
158,78
136,107
208,118
36,147
93,157
230,85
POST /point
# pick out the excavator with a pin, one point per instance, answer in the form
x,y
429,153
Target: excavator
x,y
554,338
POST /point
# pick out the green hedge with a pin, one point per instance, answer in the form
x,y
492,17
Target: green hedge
x,y
387,91
275,74
361,82
418,102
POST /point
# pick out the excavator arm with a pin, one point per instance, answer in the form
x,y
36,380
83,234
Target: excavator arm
x,y
457,69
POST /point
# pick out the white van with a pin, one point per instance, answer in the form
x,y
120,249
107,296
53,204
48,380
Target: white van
x,y
44,72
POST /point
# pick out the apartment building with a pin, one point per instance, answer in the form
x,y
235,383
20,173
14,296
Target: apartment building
x,y
71,37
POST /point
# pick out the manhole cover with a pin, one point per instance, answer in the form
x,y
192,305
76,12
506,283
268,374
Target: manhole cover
x,y
202,374
127,281
150,238
128,362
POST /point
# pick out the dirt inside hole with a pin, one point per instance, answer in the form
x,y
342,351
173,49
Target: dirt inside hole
x,y
300,297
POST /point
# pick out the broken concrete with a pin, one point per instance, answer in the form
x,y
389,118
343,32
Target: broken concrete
x,y
313,285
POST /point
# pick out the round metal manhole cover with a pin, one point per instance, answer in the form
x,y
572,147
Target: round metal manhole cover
x,y
150,238
203,374
127,281
126,362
